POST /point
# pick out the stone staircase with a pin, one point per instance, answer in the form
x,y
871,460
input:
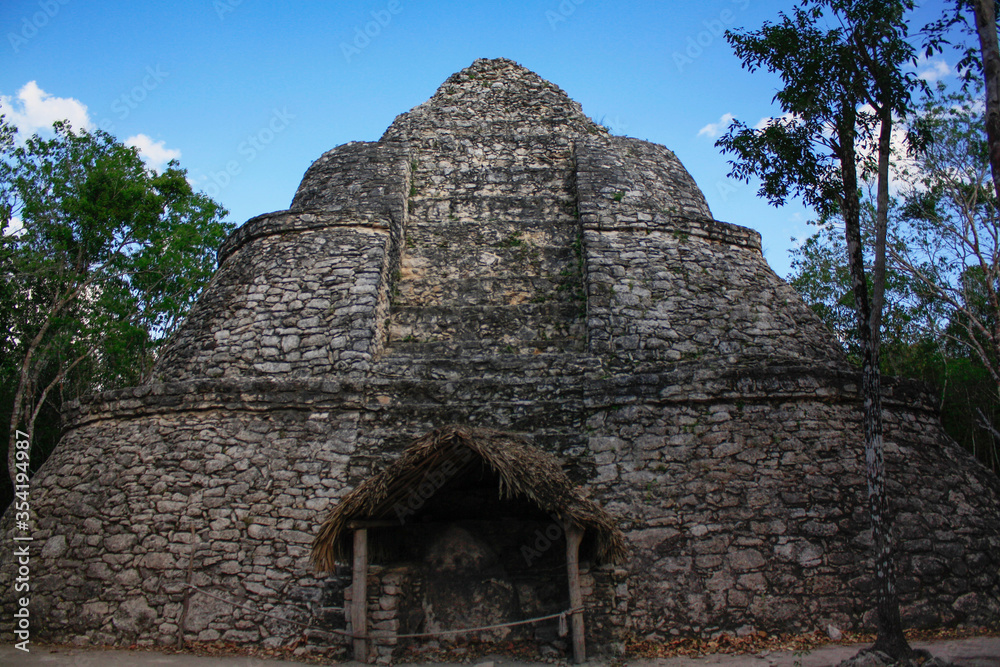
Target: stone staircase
x,y
487,321
491,260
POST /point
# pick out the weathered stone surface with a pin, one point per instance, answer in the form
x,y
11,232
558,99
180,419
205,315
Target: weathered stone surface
x,y
134,617
496,259
202,610
54,547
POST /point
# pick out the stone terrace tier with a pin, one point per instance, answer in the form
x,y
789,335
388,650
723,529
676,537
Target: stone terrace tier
x,y
496,218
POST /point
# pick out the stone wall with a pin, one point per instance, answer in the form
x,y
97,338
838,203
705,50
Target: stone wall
x,y
749,510
232,476
665,297
310,301
742,496
498,260
357,180
646,179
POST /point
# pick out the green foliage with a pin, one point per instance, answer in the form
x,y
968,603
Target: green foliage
x,y
964,389
912,345
791,156
101,259
828,74
514,240
949,231
941,287
820,274
957,15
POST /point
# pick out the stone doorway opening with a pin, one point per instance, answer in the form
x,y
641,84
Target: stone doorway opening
x,y
472,529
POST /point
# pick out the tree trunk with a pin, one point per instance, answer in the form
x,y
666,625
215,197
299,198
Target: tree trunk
x,y
881,226
986,26
890,638
17,413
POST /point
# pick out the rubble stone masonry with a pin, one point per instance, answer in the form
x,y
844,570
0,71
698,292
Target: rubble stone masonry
x,y
497,259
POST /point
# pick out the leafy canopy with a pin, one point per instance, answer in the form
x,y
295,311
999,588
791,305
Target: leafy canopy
x,y
837,76
100,260
99,249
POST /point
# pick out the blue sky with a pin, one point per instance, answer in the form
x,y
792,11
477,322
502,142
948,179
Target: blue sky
x,y
246,93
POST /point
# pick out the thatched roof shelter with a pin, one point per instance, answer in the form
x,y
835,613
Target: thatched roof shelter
x,y
523,472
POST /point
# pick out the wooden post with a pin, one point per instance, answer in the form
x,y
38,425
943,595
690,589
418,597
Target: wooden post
x,y
359,595
574,536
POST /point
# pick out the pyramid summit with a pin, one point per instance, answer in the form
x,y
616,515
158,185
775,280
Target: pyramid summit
x,y
494,327
489,92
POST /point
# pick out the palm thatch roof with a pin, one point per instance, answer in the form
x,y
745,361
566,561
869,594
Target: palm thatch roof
x,y
524,472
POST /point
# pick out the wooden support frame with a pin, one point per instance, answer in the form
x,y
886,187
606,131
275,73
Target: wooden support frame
x,y
574,536
355,525
359,595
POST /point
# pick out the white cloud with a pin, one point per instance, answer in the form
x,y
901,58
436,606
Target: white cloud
x,y
14,227
155,153
933,70
901,162
33,109
781,120
713,130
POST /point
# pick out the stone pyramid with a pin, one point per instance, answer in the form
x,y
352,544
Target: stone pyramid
x,y
499,260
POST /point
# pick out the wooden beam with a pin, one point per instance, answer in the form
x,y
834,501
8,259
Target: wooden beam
x,y
574,536
356,525
359,596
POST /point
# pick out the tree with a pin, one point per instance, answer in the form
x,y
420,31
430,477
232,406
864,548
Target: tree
x,y
843,86
821,275
985,63
985,13
949,238
101,258
921,339
949,233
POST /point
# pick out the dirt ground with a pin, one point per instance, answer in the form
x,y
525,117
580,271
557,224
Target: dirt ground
x,y
974,652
